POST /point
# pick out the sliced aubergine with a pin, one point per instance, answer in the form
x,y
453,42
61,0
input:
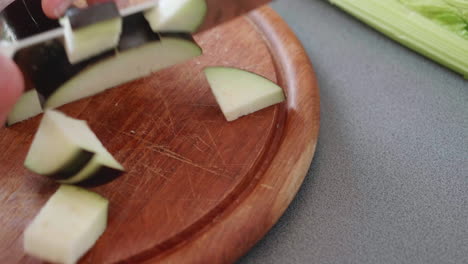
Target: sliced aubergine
x,y
136,32
129,65
140,52
240,92
95,174
66,150
45,66
26,107
91,31
177,15
68,225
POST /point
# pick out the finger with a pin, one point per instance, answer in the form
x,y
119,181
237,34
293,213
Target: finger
x,y
119,3
55,8
92,2
11,86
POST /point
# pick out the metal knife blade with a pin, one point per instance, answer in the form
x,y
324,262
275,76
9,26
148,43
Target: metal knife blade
x,y
23,24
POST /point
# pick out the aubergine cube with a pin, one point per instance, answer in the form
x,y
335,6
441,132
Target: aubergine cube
x,y
66,150
91,31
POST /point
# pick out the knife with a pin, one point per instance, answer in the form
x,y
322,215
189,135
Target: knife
x,y
23,24
40,46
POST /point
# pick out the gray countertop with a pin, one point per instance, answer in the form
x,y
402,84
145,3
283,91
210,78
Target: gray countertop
x,y
389,182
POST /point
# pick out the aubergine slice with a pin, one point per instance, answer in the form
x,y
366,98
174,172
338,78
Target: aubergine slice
x,y
126,66
67,226
177,15
66,150
27,106
240,92
45,66
140,52
95,174
91,31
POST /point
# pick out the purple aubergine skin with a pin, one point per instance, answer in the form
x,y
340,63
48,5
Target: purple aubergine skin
x,y
93,14
180,35
103,176
136,32
46,68
26,19
73,167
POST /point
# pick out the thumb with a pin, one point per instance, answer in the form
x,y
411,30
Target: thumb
x,y
11,86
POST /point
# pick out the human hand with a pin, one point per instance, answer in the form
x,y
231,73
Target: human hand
x,y
11,79
56,8
11,86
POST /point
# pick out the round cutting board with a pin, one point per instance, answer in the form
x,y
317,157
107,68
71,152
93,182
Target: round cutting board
x,y
198,189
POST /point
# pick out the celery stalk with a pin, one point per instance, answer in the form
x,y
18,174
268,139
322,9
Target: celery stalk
x,y
411,29
458,3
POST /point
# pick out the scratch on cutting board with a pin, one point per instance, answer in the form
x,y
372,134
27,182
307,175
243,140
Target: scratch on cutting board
x,y
178,157
191,186
140,139
195,144
169,114
167,211
216,146
266,186
203,141
168,153
158,121
156,171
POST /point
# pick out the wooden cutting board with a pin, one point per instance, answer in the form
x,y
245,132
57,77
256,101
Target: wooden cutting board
x,y
198,189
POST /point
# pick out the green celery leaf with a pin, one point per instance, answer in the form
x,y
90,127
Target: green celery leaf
x,y
450,14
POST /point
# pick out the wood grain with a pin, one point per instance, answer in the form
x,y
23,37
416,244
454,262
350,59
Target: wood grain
x,y
198,189
221,11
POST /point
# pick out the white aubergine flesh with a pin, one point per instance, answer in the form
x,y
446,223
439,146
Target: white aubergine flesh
x,y
67,226
177,15
140,52
66,150
127,66
26,107
240,92
87,42
91,31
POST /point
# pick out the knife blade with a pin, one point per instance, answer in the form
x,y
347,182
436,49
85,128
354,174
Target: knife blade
x,y
43,48
23,24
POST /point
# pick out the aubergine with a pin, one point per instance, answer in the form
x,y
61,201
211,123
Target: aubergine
x,y
177,15
67,151
126,66
240,92
91,31
67,226
24,18
26,107
139,53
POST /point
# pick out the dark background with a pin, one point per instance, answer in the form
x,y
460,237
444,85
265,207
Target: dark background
x,y
389,182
